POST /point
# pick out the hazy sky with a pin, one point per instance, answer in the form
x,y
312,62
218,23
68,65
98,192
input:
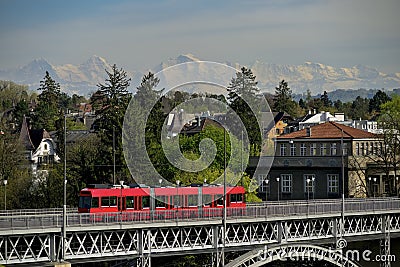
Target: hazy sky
x,y
137,35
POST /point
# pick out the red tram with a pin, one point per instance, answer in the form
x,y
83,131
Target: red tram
x,y
196,200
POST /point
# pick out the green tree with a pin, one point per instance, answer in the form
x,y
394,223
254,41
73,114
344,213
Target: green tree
x,y
243,94
111,101
390,123
84,165
13,169
325,100
283,100
377,100
359,108
47,110
20,110
11,93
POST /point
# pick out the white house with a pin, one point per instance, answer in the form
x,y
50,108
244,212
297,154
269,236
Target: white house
x,y
39,146
320,118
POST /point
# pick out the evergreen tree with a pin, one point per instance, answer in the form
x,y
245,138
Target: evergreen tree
x,y
302,104
283,100
110,102
359,108
47,110
325,100
377,100
243,93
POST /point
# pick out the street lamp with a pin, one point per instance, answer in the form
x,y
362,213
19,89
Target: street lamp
x,y
308,188
121,202
5,193
374,185
312,187
279,187
369,186
266,187
177,195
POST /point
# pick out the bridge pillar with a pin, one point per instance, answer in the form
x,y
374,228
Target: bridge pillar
x,y
385,242
144,249
217,254
143,261
282,232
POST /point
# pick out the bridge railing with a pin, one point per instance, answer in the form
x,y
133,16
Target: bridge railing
x,y
27,219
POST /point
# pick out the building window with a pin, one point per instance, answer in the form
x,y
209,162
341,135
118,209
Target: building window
x,y
358,149
278,132
333,149
344,149
303,149
313,149
323,149
333,183
309,180
45,146
362,149
263,181
292,149
283,150
286,183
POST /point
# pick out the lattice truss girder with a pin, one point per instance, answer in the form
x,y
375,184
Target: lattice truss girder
x,y
371,224
178,238
46,247
251,233
315,228
102,243
26,248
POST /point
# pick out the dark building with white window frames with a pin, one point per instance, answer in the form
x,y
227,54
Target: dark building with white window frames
x,y
308,164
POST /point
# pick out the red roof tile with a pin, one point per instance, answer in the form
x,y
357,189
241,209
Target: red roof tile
x,y
329,130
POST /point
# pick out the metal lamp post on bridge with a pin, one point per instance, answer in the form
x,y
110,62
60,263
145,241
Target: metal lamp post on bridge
x,y
266,189
279,187
177,197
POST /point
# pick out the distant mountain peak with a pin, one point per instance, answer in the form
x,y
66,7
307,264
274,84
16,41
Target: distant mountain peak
x,y
317,77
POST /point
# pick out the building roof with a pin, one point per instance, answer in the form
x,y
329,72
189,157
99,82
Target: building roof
x,y
24,136
329,130
29,138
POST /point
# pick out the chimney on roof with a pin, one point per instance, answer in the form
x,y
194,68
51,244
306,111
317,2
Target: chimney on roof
x,y
308,132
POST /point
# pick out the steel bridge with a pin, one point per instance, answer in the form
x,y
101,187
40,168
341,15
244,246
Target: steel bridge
x,y
263,232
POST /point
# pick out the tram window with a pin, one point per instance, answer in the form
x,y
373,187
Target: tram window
x,y
145,202
130,202
108,201
161,202
95,202
105,201
113,201
219,200
84,202
177,201
206,200
192,200
236,198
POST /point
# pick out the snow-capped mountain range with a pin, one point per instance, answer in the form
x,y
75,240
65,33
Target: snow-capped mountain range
x,y
82,79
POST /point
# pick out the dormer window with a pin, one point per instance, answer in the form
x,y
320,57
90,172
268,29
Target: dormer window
x,y
45,146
